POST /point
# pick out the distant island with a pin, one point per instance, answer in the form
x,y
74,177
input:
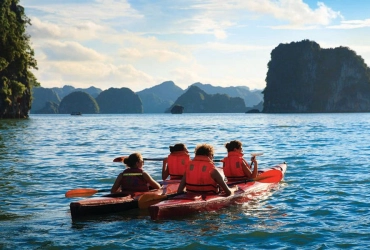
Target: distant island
x,y
158,99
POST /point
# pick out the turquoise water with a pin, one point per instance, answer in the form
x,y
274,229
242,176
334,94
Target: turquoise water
x,y
323,203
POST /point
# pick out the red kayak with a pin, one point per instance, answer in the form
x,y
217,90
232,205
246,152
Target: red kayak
x,y
112,203
189,203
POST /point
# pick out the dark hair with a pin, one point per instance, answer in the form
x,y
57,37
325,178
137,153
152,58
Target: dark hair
x,y
178,147
204,149
132,160
233,145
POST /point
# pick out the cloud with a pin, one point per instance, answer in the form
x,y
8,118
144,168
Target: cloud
x,y
96,74
352,24
45,30
297,13
69,51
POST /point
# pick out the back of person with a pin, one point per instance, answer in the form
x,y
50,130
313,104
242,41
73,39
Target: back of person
x,y
235,166
232,167
177,162
133,180
198,175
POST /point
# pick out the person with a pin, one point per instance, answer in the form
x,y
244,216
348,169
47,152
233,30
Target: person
x,y
201,175
134,178
174,165
235,166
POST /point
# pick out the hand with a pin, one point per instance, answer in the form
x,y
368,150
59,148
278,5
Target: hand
x,y
253,159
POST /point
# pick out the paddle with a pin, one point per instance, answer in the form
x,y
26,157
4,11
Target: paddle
x,y
82,192
146,200
121,158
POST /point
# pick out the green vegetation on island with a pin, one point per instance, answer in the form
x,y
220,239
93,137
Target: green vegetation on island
x,y
119,101
78,102
16,61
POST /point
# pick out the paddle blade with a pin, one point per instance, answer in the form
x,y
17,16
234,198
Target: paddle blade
x,y
119,159
81,192
270,176
256,154
146,200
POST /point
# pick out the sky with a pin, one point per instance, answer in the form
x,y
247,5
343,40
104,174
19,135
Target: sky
x,y
141,43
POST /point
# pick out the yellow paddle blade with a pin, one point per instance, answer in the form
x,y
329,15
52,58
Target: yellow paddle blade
x,y
146,200
81,192
119,159
256,154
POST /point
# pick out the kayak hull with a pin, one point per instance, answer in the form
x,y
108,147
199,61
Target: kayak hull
x,y
113,203
189,203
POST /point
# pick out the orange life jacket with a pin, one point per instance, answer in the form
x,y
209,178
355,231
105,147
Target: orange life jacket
x,y
233,166
176,163
133,180
198,175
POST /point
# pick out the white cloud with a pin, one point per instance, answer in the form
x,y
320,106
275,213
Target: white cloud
x,y
295,12
69,51
352,24
45,30
96,74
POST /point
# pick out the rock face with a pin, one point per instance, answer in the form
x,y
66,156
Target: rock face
x,y
78,102
158,98
196,100
304,78
49,108
251,98
119,101
41,97
177,109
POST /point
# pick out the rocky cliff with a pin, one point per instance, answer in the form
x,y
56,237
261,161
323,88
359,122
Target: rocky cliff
x,y
303,77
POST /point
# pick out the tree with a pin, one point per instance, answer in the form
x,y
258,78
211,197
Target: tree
x,y
16,61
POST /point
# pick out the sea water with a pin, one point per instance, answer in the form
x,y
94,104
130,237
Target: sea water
x,y
323,202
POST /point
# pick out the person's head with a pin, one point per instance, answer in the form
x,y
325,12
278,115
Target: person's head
x,y
135,160
204,149
234,146
178,147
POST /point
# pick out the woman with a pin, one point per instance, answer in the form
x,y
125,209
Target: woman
x,y
174,165
201,175
234,165
133,178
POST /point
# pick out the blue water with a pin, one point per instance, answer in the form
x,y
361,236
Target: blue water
x,y
323,203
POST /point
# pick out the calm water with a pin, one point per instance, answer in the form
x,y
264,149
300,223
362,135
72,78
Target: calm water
x,y
323,203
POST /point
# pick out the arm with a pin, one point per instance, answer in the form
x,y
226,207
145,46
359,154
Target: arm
x,y
151,181
219,180
247,170
117,184
181,187
255,169
165,172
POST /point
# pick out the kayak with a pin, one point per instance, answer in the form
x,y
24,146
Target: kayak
x,y
190,203
118,202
